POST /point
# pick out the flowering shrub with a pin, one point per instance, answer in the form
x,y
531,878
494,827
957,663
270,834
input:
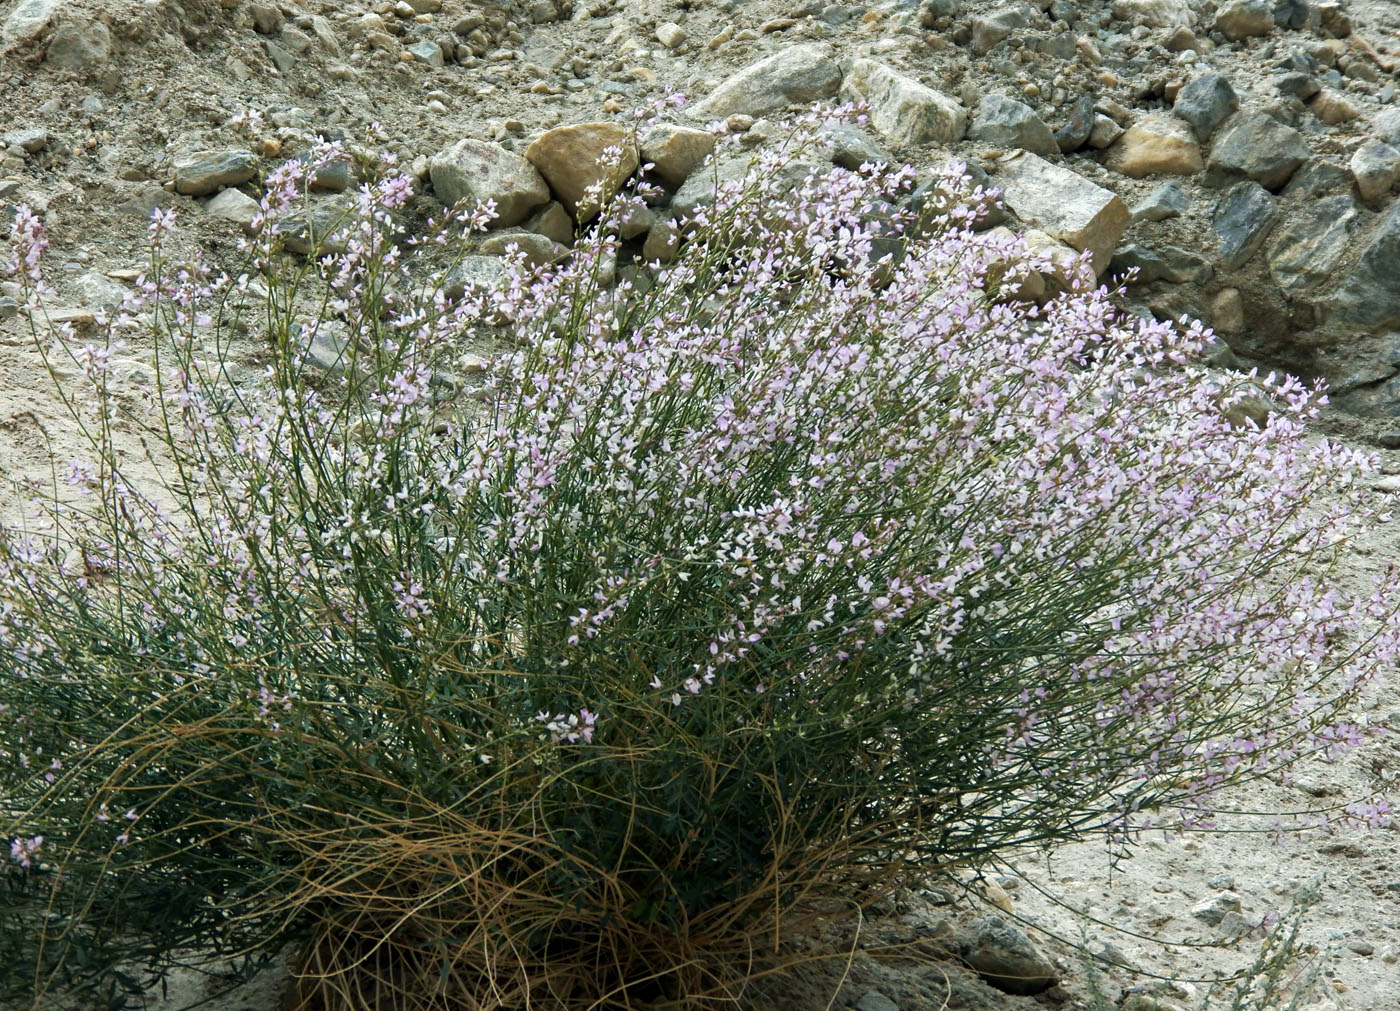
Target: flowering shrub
x,y
730,595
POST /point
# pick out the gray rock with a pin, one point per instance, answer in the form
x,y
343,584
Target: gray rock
x,y
327,346
235,206
1318,178
325,35
95,289
32,140
1243,219
9,307
1077,129
1370,296
143,203
1104,132
28,21
1064,205
1182,266
851,148
476,275
903,111
1294,14
1232,925
1144,259
1376,168
1170,263
1301,86
311,232
280,56
1005,122
799,75
1005,957
479,170
80,47
1387,126
1257,147
206,172
1243,19
1213,909
1167,201
267,18
426,52
699,189
989,29
1206,102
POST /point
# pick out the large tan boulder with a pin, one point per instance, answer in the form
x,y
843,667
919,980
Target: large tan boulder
x,y
1157,145
569,159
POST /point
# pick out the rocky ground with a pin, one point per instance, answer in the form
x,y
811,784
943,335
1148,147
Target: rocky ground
x,y
1243,156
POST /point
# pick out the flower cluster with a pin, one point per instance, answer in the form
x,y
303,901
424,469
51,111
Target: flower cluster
x,y
819,495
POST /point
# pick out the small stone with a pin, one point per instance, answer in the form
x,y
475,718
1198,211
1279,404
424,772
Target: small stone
x,y
1064,205
312,231
990,29
567,157
475,275
1243,19
206,172
1297,85
1332,107
903,111
479,170
851,147
799,75
426,52
1104,132
267,18
1243,219
1376,168
235,206
1077,129
670,34
1206,102
676,151
537,250
281,58
1213,909
1232,925
1387,126
1168,200
553,222
662,241
9,307
1005,122
1227,312
1361,947
1223,881
1257,147
1156,145
1005,957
